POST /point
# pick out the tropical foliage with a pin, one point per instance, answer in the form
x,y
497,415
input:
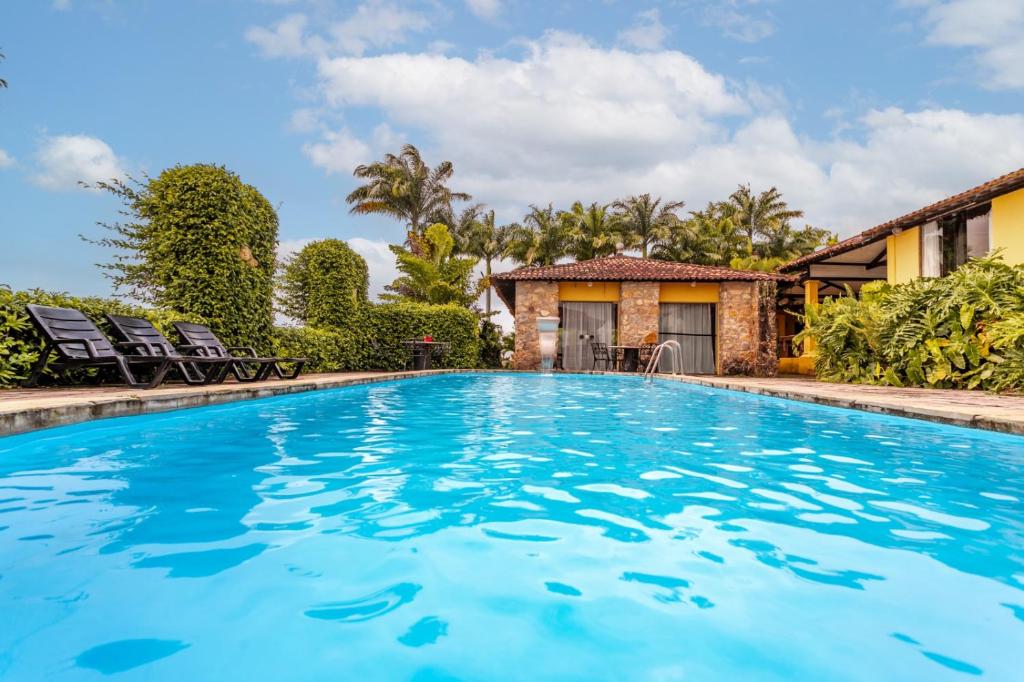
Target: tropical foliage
x,y
405,187
431,271
198,241
965,330
591,231
541,239
485,240
3,83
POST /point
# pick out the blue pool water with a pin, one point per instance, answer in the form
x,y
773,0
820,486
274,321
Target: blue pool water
x,y
516,527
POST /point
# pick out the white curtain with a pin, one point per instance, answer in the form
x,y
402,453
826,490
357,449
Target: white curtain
x,y
692,325
931,250
977,236
583,324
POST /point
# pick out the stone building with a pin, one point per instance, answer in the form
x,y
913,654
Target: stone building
x,y
724,319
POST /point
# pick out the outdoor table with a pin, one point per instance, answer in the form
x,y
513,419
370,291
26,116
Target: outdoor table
x,y
630,357
423,352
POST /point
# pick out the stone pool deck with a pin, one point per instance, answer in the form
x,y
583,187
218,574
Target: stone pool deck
x,y
24,410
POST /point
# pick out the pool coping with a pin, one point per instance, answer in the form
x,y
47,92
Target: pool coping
x,y
32,410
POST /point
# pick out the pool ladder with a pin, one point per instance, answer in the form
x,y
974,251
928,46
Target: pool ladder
x,y
675,352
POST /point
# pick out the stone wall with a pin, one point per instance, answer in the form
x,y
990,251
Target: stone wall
x,y
533,300
638,311
747,329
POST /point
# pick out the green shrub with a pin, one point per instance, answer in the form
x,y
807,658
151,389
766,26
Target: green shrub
x,y
490,345
20,344
324,285
327,350
200,241
965,330
388,325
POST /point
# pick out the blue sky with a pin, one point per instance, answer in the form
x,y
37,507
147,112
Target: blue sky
x,y
857,111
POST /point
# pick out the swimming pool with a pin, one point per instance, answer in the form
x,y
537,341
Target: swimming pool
x,y
499,526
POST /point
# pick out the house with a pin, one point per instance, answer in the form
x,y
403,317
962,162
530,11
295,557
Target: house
x,y
724,319
929,242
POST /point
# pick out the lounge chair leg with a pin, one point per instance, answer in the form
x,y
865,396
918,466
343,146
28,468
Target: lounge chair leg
x,y
159,374
38,367
126,374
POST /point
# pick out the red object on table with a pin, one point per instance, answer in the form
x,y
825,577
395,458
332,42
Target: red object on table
x,y
428,338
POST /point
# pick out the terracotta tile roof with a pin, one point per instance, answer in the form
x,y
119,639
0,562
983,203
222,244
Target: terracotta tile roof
x,y
976,195
631,269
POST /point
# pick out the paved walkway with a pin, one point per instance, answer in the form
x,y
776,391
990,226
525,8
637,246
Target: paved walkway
x,y
962,408
28,409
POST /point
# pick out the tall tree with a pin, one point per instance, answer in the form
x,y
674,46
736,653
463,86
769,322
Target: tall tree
x,y
431,271
487,242
758,214
3,83
646,221
540,240
708,237
591,231
406,188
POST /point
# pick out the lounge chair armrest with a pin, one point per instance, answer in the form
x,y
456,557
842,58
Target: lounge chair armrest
x,y
146,348
190,349
248,350
90,349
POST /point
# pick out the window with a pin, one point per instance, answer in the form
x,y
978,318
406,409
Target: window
x,y
949,242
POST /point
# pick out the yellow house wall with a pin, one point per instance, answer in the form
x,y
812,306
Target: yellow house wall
x,y
600,292
903,256
685,292
1007,226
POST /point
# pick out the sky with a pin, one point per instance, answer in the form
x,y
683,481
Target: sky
x,y
857,111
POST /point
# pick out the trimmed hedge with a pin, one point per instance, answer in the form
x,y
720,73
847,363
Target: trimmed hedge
x,y
202,241
324,285
374,339
328,350
20,344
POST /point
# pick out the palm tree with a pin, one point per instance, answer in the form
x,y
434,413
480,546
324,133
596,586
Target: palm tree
x,y
785,243
708,237
488,242
645,221
592,231
540,240
406,188
462,225
757,214
3,83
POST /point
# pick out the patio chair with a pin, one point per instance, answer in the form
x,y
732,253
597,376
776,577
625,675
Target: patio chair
x,y
247,367
601,354
198,369
79,343
646,351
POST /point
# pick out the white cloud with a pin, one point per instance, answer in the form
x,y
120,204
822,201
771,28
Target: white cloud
x,y
6,160
66,160
373,24
285,39
379,260
738,20
338,151
485,9
992,28
646,33
62,5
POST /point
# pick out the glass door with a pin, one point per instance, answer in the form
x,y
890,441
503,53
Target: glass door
x,y
583,324
693,326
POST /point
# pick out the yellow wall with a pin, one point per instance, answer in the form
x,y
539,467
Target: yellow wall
x,y
903,256
685,292
589,291
1007,226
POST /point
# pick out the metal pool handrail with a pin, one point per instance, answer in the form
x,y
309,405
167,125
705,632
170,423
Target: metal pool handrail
x,y
675,352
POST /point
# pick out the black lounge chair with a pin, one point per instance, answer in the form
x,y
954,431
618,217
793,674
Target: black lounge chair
x,y
197,369
247,367
79,343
